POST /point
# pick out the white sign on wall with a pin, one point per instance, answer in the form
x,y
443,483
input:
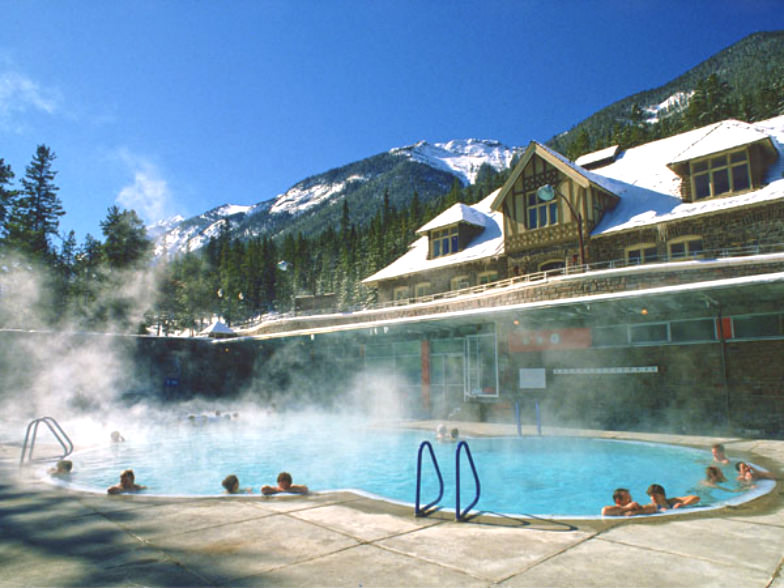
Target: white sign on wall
x,y
533,378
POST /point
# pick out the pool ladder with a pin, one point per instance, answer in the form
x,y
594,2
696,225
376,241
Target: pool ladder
x,y
32,432
460,515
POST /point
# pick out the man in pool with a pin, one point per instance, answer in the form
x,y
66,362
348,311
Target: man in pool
x,y
127,484
660,501
625,506
284,485
232,485
718,454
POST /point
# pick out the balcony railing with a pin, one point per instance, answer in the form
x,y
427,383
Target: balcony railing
x,y
544,276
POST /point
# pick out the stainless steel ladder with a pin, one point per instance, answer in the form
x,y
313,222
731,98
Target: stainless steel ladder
x,y
32,432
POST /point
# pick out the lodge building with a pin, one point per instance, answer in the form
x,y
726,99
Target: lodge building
x,y
627,289
652,279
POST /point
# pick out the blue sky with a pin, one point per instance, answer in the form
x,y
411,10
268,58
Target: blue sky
x,y
174,107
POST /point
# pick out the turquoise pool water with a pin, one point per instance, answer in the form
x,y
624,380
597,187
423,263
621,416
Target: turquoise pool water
x,y
565,476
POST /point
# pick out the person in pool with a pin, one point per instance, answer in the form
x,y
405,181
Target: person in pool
x,y
232,485
748,474
661,502
625,506
62,469
714,477
127,484
718,454
284,485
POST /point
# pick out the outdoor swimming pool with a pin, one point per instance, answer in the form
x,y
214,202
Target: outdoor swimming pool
x,y
557,476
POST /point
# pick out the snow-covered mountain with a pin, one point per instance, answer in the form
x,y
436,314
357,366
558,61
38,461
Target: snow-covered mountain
x,y
427,168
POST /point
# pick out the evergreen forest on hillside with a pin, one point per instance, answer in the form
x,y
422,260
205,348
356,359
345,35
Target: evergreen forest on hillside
x,y
48,279
744,81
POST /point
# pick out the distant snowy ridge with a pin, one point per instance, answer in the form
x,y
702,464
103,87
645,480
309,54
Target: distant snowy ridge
x,y
461,158
309,194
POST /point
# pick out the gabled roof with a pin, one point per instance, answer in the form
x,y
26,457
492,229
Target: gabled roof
x,y
721,136
488,244
580,176
456,213
218,329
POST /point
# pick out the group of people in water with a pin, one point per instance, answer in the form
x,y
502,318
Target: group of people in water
x,y
127,485
285,484
624,505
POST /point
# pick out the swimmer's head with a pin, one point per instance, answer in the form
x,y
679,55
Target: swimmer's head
x,y
231,483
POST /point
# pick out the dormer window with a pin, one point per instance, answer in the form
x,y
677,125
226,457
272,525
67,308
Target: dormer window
x,y
720,175
444,242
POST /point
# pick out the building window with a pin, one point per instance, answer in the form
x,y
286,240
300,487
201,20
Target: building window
x,y
549,266
641,253
401,293
759,326
487,277
686,247
443,242
459,282
722,174
540,212
422,289
609,336
693,330
648,333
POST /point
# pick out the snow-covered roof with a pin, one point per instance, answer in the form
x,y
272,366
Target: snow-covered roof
x,y
217,329
597,156
721,136
455,214
490,243
650,191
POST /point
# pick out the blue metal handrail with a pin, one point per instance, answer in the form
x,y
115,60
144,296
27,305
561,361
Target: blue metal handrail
x,y
460,516
57,431
424,511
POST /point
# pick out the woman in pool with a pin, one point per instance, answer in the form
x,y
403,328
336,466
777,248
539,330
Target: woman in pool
x,y
714,477
232,485
659,498
127,484
748,474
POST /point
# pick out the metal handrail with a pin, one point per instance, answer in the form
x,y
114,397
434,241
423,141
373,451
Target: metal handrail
x,y
424,511
461,516
57,431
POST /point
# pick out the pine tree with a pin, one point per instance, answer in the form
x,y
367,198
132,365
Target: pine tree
x,y
126,244
7,195
37,210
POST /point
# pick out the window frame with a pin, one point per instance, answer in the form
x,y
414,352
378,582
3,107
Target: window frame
x,y
424,286
492,276
401,290
552,214
454,283
643,248
709,168
444,241
686,241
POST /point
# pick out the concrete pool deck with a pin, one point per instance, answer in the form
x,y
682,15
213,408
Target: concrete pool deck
x,y
52,536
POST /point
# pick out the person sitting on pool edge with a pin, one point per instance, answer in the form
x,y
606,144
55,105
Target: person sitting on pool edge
x,y
661,502
284,485
127,484
232,485
625,506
